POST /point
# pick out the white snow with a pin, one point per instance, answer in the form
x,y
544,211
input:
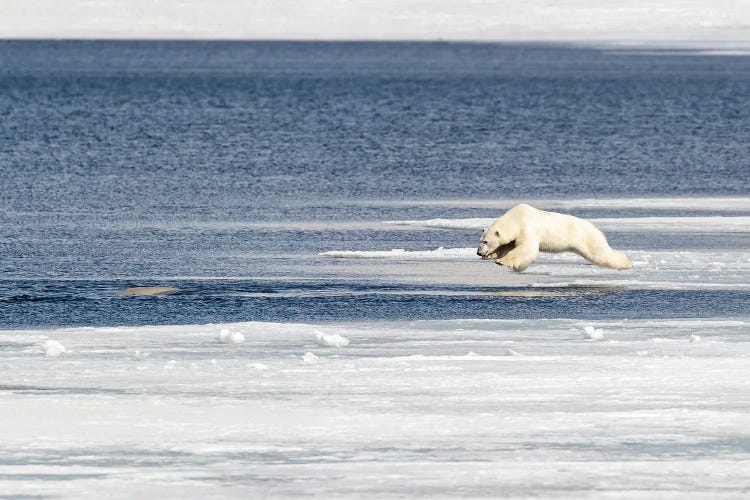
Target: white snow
x,y
229,337
310,358
330,339
472,223
439,253
593,333
727,204
408,409
53,348
138,354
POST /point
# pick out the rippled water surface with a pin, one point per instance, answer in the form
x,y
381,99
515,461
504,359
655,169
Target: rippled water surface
x,y
225,169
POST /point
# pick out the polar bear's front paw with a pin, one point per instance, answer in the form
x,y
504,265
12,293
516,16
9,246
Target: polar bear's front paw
x,y
506,262
515,264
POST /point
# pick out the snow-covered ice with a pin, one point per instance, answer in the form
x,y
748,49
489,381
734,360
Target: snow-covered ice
x,y
310,358
53,349
424,408
696,224
718,203
652,269
401,254
229,337
590,332
330,339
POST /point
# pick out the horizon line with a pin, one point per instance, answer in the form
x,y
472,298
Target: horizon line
x,y
624,42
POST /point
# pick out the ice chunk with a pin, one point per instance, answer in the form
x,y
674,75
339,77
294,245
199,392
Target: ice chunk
x,y
309,358
511,352
694,338
330,339
53,348
230,337
589,332
235,338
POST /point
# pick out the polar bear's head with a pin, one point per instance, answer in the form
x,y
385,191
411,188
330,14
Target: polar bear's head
x,y
495,242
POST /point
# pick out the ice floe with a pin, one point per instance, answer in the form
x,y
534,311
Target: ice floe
x,y
231,337
698,204
402,254
592,333
713,224
310,358
330,339
422,405
53,348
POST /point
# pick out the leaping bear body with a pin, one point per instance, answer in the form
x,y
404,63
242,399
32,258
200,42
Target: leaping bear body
x,y
515,239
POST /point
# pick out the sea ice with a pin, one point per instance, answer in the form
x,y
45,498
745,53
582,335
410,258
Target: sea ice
x,y
138,354
462,413
729,224
440,253
330,339
589,332
309,358
230,337
53,348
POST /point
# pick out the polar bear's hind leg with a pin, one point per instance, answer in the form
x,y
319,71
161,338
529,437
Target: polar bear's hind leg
x,y
600,253
618,260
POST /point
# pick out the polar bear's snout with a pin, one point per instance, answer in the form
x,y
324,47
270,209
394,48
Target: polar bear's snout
x,y
484,249
481,249
496,253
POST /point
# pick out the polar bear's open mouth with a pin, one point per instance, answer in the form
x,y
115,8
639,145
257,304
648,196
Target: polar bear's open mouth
x,y
501,251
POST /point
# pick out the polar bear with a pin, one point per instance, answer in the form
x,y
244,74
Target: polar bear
x,y
515,239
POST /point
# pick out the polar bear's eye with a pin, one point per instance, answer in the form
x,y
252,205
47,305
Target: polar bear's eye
x,y
497,233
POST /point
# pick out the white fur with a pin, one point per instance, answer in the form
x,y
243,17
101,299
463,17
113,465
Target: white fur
x,y
535,231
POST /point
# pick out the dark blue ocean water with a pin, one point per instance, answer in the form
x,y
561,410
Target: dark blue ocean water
x,y
195,164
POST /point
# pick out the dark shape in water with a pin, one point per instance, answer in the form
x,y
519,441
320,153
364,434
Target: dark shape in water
x,y
149,290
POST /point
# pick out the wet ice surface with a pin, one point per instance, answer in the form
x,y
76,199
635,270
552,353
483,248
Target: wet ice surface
x,y
463,407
